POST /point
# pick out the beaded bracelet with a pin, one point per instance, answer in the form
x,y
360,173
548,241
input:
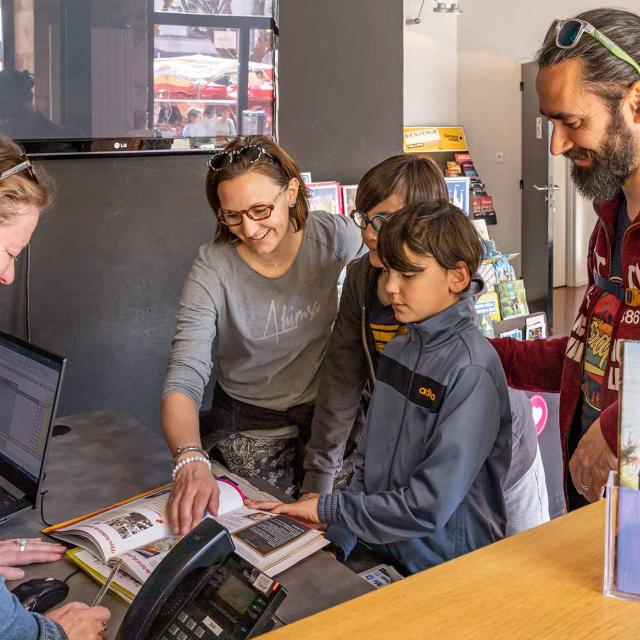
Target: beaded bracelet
x,y
186,461
191,447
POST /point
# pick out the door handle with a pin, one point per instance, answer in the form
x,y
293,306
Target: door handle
x,y
553,187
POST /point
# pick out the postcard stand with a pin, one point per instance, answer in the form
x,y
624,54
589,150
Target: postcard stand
x,y
622,542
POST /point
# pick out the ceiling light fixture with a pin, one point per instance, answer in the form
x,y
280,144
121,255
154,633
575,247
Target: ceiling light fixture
x,y
441,7
416,20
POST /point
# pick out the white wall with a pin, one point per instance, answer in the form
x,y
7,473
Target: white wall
x,y
494,38
585,220
430,67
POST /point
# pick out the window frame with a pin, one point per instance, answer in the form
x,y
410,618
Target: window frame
x,y
244,25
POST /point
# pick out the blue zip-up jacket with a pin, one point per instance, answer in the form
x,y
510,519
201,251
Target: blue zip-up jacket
x,y
427,484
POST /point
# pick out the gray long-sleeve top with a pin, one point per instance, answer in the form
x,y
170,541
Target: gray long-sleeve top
x,y
264,337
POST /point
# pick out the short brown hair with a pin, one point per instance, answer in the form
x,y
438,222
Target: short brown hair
x,y
432,228
277,166
20,189
411,177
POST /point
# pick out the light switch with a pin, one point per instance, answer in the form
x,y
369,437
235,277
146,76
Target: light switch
x,y
499,157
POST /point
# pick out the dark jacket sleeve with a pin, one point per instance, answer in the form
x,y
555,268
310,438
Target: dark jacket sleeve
x,y
532,365
465,434
343,375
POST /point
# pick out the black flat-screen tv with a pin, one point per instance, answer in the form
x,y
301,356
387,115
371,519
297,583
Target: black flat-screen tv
x,y
131,76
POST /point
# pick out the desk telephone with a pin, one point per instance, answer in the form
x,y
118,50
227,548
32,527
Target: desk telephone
x,y
203,591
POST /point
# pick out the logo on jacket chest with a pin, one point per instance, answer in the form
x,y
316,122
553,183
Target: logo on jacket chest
x,y
418,389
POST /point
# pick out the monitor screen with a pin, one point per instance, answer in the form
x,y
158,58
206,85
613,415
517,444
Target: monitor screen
x,y
29,381
136,75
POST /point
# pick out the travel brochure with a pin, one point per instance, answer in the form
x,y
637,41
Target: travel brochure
x,y
136,531
627,510
629,428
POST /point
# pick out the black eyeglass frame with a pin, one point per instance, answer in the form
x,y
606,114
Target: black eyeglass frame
x,y
376,222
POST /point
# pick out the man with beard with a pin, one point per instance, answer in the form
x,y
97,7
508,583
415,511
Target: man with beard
x,y
589,87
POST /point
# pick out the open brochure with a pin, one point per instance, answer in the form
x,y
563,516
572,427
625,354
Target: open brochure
x,y
137,531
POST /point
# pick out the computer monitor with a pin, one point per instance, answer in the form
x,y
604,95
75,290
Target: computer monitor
x,y
30,381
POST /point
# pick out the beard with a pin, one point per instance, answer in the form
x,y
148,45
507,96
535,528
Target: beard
x,y
610,166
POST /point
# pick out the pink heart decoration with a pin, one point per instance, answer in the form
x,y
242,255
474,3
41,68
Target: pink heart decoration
x,y
540,413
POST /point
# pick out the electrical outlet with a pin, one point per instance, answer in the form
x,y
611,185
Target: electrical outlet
x,y
499,157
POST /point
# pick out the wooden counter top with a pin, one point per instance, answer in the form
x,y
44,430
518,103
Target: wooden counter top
x,y
543,583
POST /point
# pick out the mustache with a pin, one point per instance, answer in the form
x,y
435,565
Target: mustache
x,y
578,153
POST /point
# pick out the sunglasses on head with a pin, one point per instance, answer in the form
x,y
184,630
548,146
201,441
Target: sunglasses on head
x,y
223,159
569,32
24,165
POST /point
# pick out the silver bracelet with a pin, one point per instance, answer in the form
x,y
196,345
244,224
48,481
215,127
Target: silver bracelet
x,y
187,461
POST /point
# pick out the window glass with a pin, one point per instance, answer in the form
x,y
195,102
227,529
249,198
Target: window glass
x,y
195,79
217,7
258,117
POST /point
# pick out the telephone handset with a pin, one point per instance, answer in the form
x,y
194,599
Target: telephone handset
x,y
203,591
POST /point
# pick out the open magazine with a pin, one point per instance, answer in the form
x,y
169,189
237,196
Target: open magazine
x,y
137,531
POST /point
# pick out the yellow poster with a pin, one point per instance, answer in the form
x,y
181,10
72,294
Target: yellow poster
x,y
430,139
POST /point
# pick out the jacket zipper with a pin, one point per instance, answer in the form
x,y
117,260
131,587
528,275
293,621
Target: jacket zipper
x,y
404,410
365,344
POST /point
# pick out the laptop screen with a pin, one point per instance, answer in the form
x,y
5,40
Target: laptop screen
x,y
29,386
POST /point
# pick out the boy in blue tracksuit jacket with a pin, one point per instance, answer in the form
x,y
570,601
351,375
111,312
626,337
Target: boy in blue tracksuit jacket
x,y
427,483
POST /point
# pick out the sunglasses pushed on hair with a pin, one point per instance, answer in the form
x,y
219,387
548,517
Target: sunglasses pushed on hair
x,y
24,165
250,154
569,32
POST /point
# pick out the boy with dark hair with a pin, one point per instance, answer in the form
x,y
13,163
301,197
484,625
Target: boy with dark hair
x,y
427,484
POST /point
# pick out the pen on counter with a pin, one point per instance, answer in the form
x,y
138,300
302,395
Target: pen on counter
x,y
107,584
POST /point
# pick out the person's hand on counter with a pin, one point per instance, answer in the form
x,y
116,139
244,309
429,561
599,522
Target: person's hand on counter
x,y
305,509
23,551
80,621
591,463
195,491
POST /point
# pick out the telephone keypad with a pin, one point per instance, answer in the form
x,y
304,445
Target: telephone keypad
x,y
230,616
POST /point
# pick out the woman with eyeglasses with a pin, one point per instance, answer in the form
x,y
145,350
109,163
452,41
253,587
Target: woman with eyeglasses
x,y
23,197
366,322
257,307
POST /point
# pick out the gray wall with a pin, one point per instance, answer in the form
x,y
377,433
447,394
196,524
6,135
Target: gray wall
x,y
341,65
108,263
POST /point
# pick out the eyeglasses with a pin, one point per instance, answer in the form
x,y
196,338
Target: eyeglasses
x,y
569,32
25,166
257,212
223,159
362,220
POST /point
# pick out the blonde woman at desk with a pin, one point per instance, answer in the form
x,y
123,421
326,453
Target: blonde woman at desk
x,y
23,197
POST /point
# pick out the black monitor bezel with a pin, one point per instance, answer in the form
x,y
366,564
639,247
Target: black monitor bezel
x,y
20,479
152,146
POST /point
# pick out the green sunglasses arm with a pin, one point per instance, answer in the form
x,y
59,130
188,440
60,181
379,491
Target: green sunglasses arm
x,y
616,50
